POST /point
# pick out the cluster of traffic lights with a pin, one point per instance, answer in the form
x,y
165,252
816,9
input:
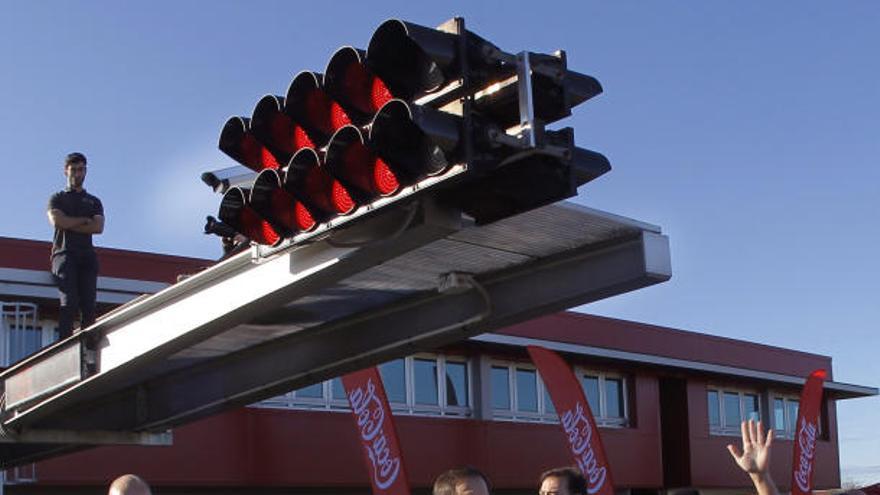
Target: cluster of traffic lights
x,y
338,141
411,114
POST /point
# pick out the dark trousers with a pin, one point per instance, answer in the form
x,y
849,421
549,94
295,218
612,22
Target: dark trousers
x,y
76,275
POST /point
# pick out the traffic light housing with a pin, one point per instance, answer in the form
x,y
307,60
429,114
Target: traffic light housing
x,y
421,111
349,81
415,61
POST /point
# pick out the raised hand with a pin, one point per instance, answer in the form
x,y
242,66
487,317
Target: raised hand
x,y
754,458
755,455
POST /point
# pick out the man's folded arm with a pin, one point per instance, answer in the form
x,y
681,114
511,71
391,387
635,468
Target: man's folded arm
x,y
95,225
58,219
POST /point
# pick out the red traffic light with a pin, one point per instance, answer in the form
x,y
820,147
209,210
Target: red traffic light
x,y
348,80
309,106
269,124
350,160
241,145
308,178
272,202
236,212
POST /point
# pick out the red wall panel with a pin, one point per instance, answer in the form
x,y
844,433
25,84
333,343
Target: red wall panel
x,y
34,255
713,467
271,447
209,452
642,338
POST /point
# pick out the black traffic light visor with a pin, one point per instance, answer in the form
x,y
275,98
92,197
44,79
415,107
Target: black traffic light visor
x,y
411,59
415,141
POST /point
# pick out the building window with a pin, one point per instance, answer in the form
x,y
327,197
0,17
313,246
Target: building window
x,y
315,391
526,390
424,384
328,395
457,391
501,397
434,385
394,379
785,415
607,396
426,390
20,332
729,408
518,393
714,410
20,475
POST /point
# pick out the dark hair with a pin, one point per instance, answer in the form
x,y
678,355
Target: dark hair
x,y
446,482
75,157
577,485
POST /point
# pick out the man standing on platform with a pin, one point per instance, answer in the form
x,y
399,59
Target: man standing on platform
x,y
76,216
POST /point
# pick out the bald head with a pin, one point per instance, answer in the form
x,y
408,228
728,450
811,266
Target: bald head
x,y
129,484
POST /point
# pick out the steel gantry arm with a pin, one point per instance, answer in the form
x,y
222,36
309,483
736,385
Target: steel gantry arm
x,y
249,329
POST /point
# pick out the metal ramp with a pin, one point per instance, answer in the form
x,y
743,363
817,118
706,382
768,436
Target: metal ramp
x,y
252,326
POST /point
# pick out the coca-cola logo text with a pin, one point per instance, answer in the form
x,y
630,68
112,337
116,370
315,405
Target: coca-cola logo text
x,y
806,439
370,413
580,434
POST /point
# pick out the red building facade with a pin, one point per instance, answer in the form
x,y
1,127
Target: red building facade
x,y
668,402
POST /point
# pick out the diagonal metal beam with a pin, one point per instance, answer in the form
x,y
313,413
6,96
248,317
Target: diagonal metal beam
x,y
199,308
422,322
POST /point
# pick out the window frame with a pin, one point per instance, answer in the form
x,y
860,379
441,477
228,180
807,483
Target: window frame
x,y
512,413
290,400
733,430
546,415
442,408
20,326
602,418
789,429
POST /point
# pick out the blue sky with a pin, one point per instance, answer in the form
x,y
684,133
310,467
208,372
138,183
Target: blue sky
x,y
747,130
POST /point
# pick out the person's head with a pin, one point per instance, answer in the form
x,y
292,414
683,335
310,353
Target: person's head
x,y
75,170
129,484
562,481
462,481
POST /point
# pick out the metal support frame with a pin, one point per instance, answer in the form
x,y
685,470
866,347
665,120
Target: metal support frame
x,y
413,325
529,135
33,445
162,361
215,300
88,437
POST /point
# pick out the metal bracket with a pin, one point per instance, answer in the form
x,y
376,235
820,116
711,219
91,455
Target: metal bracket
x,y
529,134
88,437
528,126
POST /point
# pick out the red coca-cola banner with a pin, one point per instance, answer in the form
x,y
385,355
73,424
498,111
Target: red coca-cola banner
x,y
375,426
576,419
806,434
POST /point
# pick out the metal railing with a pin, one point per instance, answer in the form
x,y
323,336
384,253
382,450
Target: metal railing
x,y
18,475
20,331
20,335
